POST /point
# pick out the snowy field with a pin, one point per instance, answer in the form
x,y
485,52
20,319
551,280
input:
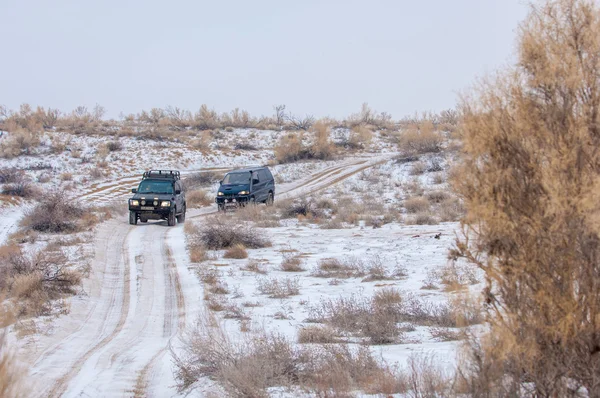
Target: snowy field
x,y
143,296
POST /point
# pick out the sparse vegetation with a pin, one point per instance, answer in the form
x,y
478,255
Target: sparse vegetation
x,y
220,234
54,214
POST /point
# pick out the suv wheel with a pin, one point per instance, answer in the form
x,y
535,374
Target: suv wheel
x,y
270,199
132,218
171,221
181,217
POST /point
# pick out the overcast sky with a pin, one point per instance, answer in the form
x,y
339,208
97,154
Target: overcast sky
x,y
317,57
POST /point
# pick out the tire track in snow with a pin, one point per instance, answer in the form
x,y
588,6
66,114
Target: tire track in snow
x,y
61,385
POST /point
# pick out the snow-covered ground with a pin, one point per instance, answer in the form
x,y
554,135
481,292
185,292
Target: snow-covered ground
x,y
143,293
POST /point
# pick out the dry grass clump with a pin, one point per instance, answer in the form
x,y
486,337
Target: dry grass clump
x,y
197,199
222,234
424,218
416,205
278,288
237,251
337,268
316,334
291,263
56,214
295,146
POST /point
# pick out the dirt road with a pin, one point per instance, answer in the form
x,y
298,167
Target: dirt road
x,y
119,339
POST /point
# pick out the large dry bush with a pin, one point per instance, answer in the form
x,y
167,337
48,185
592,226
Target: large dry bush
x,y
55,213
530,183
290,148
34,281
19,142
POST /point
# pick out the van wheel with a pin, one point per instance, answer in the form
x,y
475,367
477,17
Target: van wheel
x,y
171,221
270,199
221,208
132,218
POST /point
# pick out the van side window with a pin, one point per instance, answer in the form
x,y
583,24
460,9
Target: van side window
x,y
263,175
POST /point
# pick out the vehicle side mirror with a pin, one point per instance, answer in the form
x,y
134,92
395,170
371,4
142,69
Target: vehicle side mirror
x,y
221,182
255,181
177,192
134,190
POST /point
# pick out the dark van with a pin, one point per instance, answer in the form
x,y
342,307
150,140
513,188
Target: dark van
x,y
246,186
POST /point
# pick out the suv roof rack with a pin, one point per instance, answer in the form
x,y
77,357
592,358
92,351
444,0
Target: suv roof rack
x,y
167,174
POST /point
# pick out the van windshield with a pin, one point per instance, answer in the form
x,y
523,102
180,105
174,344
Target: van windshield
x,y
149,186
237,178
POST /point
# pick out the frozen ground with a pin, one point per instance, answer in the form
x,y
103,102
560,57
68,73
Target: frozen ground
x,y
143,293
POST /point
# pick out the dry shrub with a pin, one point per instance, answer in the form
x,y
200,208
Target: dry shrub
x,y
279,288
314,334
530,183
237,251
423,139
416,205
438,178
197,199
55,214
24,189
252,365
96,173
255,266
35,281
19,142
451,210
322,148
114,146
417,168
380,318
201,179
66,177
221,233
360,137
9,175
437,196
337,268
290,148
422,219
291,263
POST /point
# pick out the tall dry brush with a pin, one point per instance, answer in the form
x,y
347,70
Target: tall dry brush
x,y
530,182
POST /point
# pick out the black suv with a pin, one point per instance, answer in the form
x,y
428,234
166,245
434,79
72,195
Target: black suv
x,y
251,185
160,196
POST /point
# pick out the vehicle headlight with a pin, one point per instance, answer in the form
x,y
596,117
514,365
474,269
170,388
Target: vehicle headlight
x,y
143,202
220,193
165,203
135,203
244,192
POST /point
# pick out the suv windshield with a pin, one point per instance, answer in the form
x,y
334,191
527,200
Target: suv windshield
x,y
237,178
149,186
